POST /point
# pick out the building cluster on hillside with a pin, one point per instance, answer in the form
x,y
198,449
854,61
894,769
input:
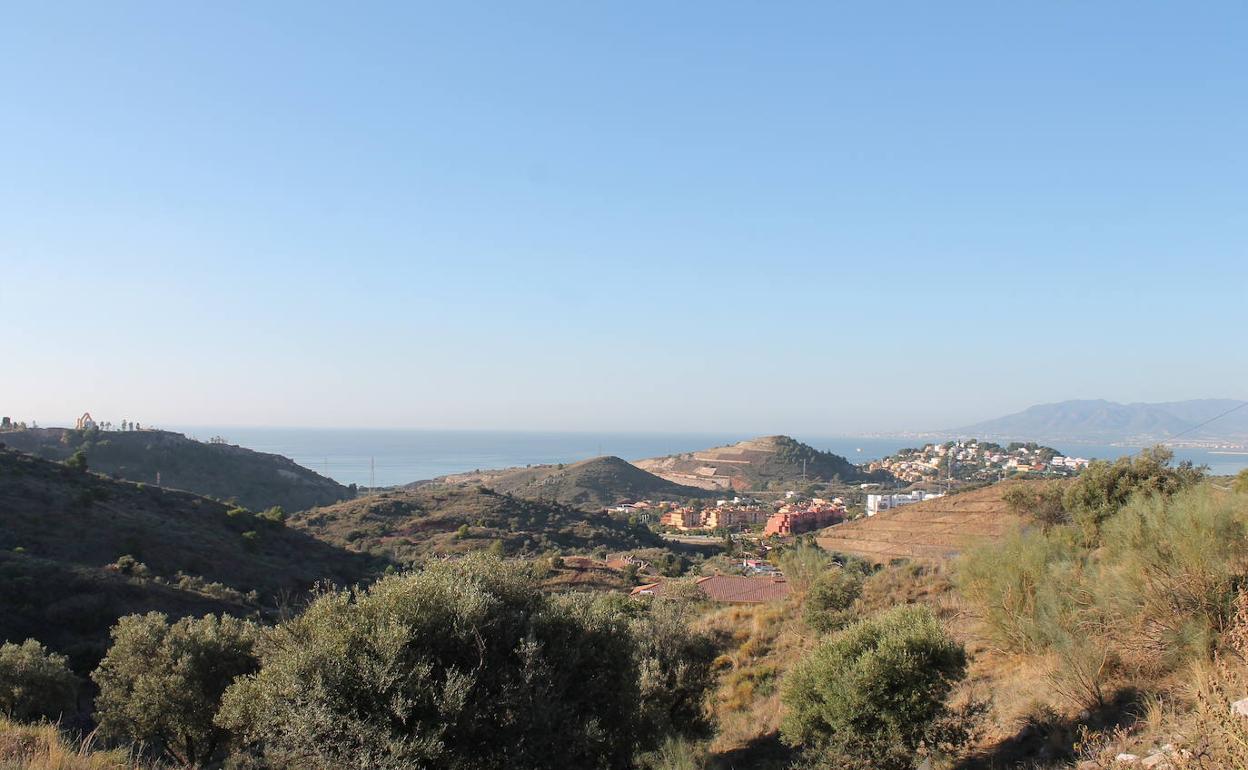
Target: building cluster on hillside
x,y
974,460
793,516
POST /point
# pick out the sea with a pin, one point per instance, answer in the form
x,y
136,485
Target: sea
x,y
389,457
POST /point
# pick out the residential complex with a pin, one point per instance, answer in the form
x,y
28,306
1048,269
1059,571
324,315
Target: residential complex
x,y
974,460
883,502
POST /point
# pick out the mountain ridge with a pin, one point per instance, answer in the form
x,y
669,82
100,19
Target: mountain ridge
x,y
255,480
1093,420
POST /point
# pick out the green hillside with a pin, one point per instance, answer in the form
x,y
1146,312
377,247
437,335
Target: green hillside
x,y
255,480
78,550
413,524
589,484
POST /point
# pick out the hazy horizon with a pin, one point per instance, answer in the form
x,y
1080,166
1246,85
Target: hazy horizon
x,y
802,219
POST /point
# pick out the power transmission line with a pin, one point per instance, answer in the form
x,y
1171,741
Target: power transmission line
x,y
1211,419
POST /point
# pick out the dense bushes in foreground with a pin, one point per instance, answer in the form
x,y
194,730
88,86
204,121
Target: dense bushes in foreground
x,y
1142,581
464,664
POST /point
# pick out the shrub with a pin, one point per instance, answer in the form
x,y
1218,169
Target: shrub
x,y
830,597
674,670
1023,587
1104,487
1240,483
869,696
77,461
161,684
34,683
465,664
1156,595
274,515
1038,501
802,563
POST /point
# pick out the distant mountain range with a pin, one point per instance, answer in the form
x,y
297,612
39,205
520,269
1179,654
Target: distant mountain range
x,y
1099,421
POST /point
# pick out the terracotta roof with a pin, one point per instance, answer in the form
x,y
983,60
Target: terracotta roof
x,y
731,588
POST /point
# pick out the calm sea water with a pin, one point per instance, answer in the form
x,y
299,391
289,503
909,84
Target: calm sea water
x,y
402,456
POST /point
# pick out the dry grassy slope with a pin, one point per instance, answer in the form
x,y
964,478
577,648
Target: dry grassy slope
x,y
749,464
414,524
60,529
589,484
933,530
256,480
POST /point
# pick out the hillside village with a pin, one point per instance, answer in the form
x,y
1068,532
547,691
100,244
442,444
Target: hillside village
x,y
971,460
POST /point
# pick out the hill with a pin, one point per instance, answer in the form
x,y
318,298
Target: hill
x,y
411,525
933,530
78,550
756,463
1110,422
589,484
255,480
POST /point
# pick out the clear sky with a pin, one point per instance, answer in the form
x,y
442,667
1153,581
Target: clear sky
x,y
722,216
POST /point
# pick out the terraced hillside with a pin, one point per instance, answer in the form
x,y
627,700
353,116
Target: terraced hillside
x,y
589,484
933,530
756,463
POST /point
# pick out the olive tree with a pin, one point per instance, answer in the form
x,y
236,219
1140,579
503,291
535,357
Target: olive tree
x,y
161,683
830,598
34,683
465,664
871,695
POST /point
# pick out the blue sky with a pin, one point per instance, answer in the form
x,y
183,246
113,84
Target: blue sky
x,y
729,216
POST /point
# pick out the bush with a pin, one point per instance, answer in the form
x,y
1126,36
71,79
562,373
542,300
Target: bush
x,y
77,461
1240,483
1154,596
674,669
1038,501
35,683
830,597
1023,587
1104,488
870,696
463,665
803,563
274,515
162,684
